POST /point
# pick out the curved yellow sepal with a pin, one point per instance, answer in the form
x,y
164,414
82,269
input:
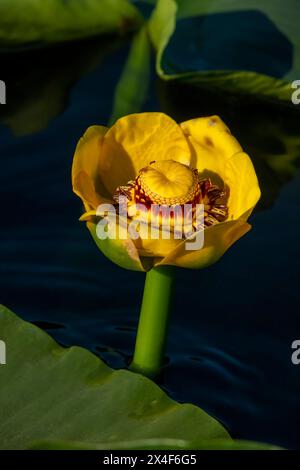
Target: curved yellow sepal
x,y
121,252
86,180
217,239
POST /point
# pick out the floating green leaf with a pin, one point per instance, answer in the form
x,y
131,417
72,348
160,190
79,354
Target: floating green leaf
x,y
47,21
51,393
157,444
276,17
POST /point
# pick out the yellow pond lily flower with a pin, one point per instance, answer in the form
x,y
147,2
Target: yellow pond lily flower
x,y
149,159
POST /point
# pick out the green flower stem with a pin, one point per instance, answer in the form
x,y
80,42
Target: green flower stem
x,y
153,323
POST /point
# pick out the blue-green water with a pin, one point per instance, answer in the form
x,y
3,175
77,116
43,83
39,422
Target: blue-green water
x,y
232,325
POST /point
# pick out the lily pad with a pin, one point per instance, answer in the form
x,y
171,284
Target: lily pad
x,y
49,393
158,444
38,22
247,47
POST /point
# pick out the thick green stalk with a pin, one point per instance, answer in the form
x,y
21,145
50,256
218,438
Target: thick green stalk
x,y
153,323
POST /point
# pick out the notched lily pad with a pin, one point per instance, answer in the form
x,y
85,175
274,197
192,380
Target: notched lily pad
x,y
49,393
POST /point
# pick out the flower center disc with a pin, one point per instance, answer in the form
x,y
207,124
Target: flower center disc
x,y
168,182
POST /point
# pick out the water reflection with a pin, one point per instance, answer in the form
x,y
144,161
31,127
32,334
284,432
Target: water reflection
x,y
40,80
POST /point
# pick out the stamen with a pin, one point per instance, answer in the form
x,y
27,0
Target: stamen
x,y
171,184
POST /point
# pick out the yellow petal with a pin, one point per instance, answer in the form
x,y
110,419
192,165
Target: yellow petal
x,y
217,239
84,188
136,140
244,193
86,179
211,144
121,252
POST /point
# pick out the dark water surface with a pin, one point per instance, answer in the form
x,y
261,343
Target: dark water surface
x,y
232,324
